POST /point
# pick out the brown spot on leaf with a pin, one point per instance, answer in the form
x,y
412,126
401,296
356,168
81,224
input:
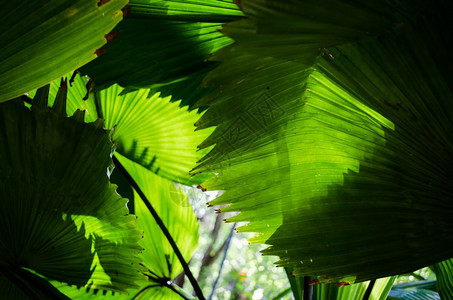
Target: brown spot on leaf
x,y
126,11
99,51
343,283
111,36
64,83
102,2
238,3
314,282
201,188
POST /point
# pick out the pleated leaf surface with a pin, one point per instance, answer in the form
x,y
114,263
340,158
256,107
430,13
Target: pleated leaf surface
x,y
332,137
444,274
160,262
164,44
43,40
61,217
173,207
153,132
150,130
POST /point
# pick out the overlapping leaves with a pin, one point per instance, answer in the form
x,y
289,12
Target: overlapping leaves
x,y
173,207
374,290
332,134
164,45
149,130
43,40
160,264
61,217
419,290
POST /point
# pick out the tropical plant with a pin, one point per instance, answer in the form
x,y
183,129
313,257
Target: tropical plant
x,y
326,123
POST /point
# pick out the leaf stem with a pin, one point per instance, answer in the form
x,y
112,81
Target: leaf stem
x,y
164,229
369,289
308,289
227,245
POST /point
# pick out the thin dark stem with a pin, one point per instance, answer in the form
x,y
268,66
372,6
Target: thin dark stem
x,y
162,282
171,287
419,277
225,251
164,229
369,289
209,259
308,289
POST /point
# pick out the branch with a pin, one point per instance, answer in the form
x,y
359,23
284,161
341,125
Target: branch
x,y
208,259
419,277
164,229
227,245
218,252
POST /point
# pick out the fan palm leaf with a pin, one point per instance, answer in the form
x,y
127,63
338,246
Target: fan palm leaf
x,y
164,45
146,128
160,263
61,218
332,135
43,40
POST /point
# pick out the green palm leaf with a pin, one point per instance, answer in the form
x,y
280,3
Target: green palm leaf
x,y
444,274
153,132
412,294
419,290
323,144
374,290
146,291
61,218
149,130
379,290
164,44
43,40
159,260
77,95
173,207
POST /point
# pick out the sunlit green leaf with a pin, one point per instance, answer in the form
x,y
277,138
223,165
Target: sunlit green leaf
x,y
159,259
43,40
164,45
333,134
153,132
149,130
173,207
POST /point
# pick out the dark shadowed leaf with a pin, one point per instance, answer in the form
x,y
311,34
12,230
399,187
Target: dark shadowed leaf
x,y
60,214
160,263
